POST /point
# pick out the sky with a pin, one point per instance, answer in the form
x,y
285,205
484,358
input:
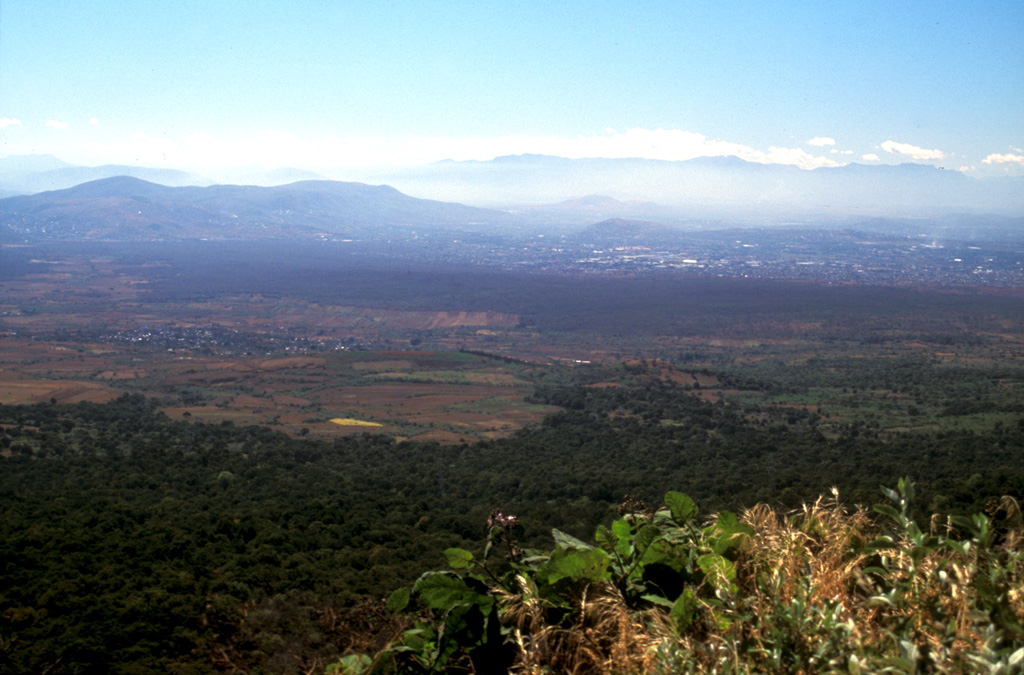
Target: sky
x,y
212,85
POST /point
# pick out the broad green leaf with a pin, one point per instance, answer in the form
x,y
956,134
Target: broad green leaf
x,y
728,521
564,540
462,629
459,558
443,590
728,532
398,600
663,519
416,639
590,565
661,552
605,538
682,507
624,532
684,611
718,570
647,535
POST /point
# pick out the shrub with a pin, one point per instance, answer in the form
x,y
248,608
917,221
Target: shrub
x,y
822,589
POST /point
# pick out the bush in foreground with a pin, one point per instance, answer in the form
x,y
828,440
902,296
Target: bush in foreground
x,y
824,589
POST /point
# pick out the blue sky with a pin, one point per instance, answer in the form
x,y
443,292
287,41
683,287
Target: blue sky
x,y
216,84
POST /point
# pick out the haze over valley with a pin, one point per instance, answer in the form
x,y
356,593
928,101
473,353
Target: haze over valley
x,y
593,234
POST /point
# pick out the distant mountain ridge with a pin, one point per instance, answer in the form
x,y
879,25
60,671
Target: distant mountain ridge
x,y
124,207
702,188
22,164
531,194
29,174
712,186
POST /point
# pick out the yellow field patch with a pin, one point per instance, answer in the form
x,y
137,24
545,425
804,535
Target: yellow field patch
x,y
349,422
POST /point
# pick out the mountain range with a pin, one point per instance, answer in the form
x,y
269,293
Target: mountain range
x,y
128,208
532,194
715,186
28,174
701,188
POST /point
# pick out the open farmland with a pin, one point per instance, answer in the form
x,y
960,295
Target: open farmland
x,y
451,355
450,397
85,328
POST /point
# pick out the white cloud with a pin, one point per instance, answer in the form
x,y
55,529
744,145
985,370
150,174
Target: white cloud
x,y
55,124
796,156
1003,159
821,141
9,122
965,169
835,151
911,151
94,120
870,157
668,144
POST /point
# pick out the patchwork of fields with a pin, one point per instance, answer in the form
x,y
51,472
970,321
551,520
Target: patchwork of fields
x,y
444,357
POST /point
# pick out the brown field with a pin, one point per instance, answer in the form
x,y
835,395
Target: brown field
x,y
291,362
447,401
40,391
298,394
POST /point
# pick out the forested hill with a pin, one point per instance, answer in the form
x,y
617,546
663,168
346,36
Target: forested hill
x,y
133,543
130,209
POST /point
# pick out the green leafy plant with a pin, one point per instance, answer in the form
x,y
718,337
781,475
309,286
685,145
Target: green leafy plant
x,y
823,589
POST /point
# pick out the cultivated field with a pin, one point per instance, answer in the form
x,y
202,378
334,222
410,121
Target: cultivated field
x,y
448,358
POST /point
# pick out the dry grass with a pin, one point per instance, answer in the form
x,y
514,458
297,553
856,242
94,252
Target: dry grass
x,y
604,637
806,600
823,589
810,600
